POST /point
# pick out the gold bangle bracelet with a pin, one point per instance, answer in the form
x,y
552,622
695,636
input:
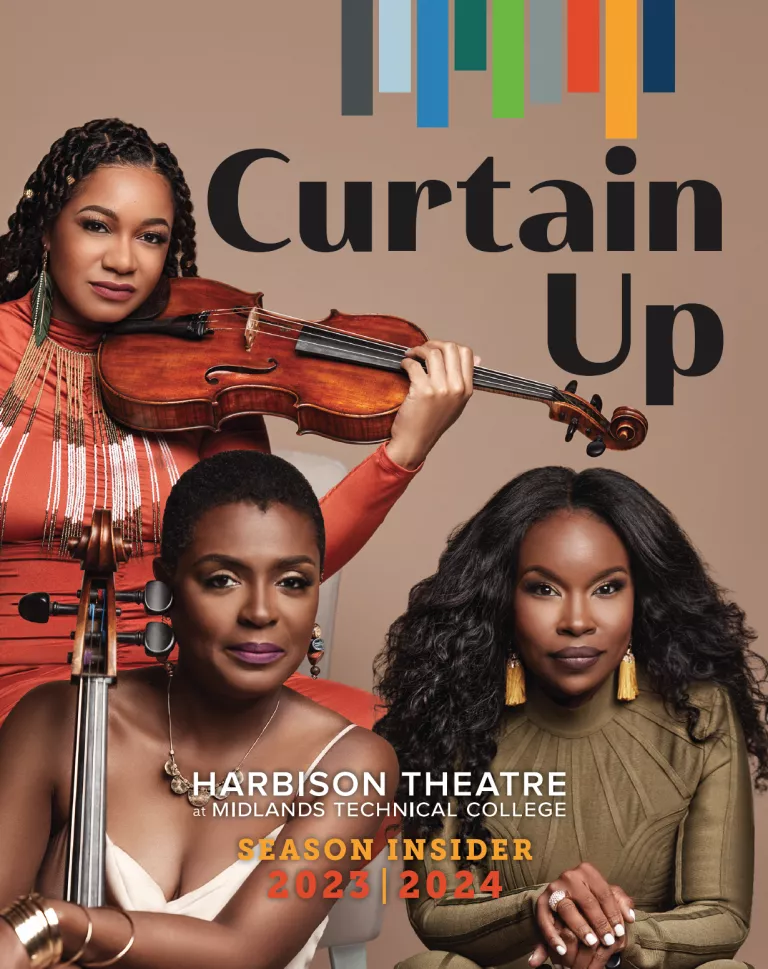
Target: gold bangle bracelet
x,y
121,953
37,928
86,940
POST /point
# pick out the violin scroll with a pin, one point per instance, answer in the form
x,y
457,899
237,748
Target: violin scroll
x,y
627,428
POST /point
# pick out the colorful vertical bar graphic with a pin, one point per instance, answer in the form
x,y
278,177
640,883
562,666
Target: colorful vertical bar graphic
x,y
470,32
432,63
546,51
508,58
659,46
356,57
394,46
621,69
583,46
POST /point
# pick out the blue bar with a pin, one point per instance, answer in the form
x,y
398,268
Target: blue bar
x,y
546,51
432,63
659,46
394,46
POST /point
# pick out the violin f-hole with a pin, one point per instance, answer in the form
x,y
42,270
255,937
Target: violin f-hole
x,y
210,377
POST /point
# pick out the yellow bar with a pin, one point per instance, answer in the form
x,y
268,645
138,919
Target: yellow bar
x,y
621,69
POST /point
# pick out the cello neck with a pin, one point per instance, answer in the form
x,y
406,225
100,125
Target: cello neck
x,y
84,877
316,341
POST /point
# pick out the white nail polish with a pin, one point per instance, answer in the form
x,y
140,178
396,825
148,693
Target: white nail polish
x,y
591,939
619,929
561,950
608,939
632,914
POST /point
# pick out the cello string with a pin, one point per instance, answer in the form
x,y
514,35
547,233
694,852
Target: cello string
x,y
492,381
283,318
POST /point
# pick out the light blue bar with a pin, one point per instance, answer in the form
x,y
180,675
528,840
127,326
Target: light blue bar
x,y
546,51
432,63
394,46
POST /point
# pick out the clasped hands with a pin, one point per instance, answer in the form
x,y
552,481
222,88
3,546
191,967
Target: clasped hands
x,y
589,924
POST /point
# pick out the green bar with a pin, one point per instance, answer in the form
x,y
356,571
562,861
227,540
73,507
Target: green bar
x,y
469,32
508,54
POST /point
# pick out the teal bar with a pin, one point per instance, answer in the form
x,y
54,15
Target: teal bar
x,y
508,58
470,31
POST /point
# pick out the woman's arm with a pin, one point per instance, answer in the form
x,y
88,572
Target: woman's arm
x,y
30,742
487,930
253,931
355,508
715,863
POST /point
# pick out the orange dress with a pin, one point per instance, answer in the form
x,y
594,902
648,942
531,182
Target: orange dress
x,y
56,463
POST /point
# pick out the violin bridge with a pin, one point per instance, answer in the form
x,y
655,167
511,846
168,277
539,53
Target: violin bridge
x,y
251,328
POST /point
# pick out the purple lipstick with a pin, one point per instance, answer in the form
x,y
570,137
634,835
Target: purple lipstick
x,y
257,653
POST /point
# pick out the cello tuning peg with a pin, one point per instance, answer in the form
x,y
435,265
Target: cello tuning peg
x,y
571,386
597,402
158,640
595,448
156,597
572,428
37,607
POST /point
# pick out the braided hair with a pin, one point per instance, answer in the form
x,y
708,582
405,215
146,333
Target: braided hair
x,y
71,158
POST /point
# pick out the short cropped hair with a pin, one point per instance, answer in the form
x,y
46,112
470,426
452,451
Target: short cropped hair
x,y
230,477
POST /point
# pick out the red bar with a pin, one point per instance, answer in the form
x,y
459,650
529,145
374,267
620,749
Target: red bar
x,y
583,46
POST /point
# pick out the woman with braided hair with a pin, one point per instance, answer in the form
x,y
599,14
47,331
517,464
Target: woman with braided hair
x,y
103,222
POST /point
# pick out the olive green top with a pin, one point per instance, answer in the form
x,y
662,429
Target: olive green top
x,y
666,818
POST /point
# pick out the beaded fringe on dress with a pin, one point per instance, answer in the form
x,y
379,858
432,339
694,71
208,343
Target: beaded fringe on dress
x,y
115,471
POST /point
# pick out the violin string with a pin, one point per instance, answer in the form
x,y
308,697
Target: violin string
x,y
397,352
301,324
491,380
485,379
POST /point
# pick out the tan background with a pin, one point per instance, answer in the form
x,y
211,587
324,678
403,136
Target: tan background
x,y
214,78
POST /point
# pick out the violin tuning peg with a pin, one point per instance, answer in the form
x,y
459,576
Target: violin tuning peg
x,y
597,402
572,428
595,448
571,386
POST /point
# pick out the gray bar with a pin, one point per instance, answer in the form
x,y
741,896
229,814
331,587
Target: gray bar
x,y
546,51
357,57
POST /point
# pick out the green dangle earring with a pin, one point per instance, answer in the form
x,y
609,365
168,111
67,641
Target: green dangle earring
x,y
42,296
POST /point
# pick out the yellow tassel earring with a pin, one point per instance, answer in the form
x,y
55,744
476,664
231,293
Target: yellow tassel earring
x,y
627,676
515,694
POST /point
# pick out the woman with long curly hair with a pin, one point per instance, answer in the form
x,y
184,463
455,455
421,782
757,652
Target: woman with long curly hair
x,y
103,223
572,633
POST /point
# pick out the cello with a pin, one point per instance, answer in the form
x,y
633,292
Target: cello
x,y
208,352
100,551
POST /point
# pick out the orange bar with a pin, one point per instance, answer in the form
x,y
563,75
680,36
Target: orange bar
x,y
621,69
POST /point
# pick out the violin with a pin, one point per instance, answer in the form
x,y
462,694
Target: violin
x,y
212,352
100,550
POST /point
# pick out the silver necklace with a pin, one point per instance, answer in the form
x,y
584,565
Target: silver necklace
x,y
180,784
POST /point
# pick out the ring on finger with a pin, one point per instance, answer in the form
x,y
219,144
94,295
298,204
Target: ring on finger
x,y
556,897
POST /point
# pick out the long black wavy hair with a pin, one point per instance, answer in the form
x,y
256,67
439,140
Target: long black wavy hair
x,y
76,154
441,674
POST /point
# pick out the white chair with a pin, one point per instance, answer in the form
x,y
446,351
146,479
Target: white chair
x,y
353,922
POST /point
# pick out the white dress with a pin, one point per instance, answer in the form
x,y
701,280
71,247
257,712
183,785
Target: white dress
x,y
135,890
